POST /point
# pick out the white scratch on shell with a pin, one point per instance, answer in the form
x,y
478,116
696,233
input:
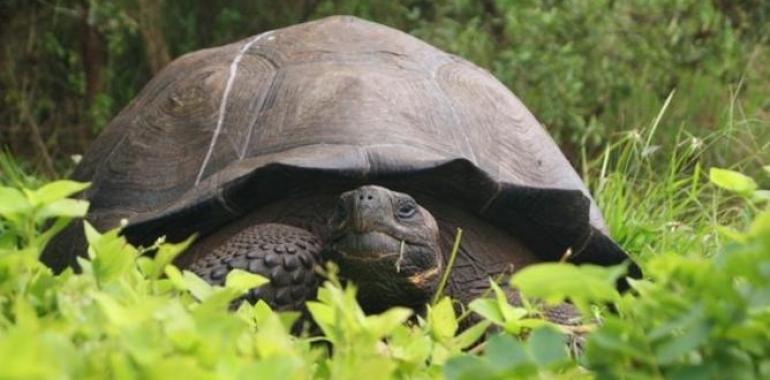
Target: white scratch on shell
x,y
223,103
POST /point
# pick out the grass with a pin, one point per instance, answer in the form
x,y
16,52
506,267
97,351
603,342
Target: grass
x,y
658,199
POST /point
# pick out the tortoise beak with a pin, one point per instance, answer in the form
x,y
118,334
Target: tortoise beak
x,y
366,246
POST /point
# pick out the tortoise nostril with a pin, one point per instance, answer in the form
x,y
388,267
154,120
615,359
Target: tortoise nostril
x,y
369,197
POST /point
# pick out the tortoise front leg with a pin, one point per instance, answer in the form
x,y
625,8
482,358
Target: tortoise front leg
x,y
284,254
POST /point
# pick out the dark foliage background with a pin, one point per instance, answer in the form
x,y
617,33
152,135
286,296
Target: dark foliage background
x,y
589,70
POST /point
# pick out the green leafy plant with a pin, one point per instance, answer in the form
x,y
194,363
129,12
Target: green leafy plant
x,y
696,316
130,315
25,213
543,355
740,184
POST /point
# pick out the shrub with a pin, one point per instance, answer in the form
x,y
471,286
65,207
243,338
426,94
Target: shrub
x,y
128,315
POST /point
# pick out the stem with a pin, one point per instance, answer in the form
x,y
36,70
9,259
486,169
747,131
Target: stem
x,y
452,257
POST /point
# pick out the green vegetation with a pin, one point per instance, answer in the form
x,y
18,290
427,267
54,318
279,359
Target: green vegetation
x,y
131,316
649,98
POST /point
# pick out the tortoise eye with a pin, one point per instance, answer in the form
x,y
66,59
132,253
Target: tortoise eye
x,y
406,210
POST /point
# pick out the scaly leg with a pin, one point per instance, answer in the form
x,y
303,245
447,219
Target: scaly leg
x,y
284,254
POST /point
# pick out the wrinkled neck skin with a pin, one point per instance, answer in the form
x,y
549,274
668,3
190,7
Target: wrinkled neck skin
x,y
485,252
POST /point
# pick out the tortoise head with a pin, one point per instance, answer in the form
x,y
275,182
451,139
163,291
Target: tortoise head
x,y
388,245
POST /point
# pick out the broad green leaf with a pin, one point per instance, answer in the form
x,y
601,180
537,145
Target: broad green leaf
x,y
687,341
289,318
615,337
200,289
25,315
241,280
733,181
760,227
472,334
167,252
112,257
23,351
488,309
56,190
115,313
323,315
381,325
417,350
92,237
520,324
213,300
506,353
509,312
555,282
68,208
443,320
262,311
691,317
276,367
12,201
467,367
175,276
548,347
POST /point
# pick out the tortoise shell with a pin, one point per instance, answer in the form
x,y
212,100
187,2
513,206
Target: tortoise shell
x,y
222,131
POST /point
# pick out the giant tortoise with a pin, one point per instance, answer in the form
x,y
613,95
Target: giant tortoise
x,y
338,139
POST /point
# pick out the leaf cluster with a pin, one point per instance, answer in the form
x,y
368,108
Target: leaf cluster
x,y
128,315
